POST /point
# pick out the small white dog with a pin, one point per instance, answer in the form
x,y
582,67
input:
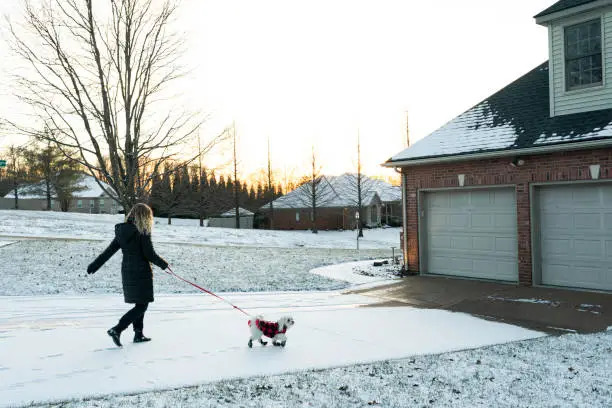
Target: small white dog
x,y
274,330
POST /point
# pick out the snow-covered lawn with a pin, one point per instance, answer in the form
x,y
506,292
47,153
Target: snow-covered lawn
x,y
53,318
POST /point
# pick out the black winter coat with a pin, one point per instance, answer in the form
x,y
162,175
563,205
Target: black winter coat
x,y
136,272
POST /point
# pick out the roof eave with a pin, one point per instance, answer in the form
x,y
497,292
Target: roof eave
x,y
546,19
591,144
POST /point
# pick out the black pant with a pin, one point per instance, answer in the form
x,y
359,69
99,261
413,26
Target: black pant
x,y
134,316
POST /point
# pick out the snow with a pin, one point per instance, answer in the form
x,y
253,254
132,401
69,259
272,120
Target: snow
x,y
537,301
243,212
87,182
460,135
340,191
185,231
342,352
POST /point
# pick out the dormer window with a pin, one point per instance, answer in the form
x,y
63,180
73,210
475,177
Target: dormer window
x,y
583,60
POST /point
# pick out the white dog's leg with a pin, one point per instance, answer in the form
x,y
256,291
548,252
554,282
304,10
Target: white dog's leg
x,y
279,340
256,335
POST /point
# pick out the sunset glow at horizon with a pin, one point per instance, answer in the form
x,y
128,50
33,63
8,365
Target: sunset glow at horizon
x,y
317,73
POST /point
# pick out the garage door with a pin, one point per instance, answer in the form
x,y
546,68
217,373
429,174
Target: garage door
x,y
575,235
470,233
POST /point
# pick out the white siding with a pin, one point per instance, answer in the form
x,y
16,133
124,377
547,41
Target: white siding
x,y
582,100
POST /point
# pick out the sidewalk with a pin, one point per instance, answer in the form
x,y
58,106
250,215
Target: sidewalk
x,y
544,309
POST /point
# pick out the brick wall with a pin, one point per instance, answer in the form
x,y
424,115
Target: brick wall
x,y
548,168
327,219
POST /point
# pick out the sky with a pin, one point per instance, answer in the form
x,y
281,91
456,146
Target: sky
x,y
53,318
321,72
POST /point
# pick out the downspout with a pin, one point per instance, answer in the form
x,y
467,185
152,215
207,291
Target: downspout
x,y
404,221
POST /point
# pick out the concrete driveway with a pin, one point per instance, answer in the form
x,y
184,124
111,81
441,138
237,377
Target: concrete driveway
x,y
545,309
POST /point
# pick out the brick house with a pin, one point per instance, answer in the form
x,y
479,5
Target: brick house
x,y
336,204
519,187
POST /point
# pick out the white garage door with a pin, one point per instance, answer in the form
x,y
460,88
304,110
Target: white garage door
x,y
575,235
471,233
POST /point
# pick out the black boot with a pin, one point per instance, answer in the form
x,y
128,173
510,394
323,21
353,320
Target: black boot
x,y
115,336
139,337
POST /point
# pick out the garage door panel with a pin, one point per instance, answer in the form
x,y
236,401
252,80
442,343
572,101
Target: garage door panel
x,y
505,221
486,199
459,220
588,248
608,220
555,246
559,221
587,221
457,201
576,235
471,233
460,243
483,221
485,244
440,242
438,201
507,245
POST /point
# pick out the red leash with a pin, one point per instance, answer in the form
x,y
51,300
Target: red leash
x,y
203,290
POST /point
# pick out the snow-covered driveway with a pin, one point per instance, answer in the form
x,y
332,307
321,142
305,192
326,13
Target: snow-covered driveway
x,y
56,348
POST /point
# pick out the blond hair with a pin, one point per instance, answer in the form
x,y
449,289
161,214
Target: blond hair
x,y
142,216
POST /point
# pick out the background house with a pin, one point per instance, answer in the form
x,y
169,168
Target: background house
x,y
519,187
228,219
90,199
337,203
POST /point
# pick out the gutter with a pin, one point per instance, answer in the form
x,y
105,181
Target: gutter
x,y
404,221
594,144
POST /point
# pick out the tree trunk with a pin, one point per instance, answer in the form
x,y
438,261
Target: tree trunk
x,y
48,194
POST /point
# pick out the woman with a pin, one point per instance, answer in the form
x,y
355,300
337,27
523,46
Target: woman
x,y
134,239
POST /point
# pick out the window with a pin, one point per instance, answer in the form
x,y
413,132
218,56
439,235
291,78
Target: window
x,y
583,62
79,203
92,203
297,217
101,203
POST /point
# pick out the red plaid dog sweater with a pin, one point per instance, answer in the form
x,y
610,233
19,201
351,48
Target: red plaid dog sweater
x,y
269,329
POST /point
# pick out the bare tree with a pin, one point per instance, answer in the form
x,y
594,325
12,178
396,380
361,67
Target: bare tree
x,y
270,186
99,78
236,184
58,177
315,191
360,189
16,170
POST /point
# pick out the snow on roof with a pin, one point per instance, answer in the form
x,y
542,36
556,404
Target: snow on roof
x,y
243,212
515,118
89,184
456,137
340,191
